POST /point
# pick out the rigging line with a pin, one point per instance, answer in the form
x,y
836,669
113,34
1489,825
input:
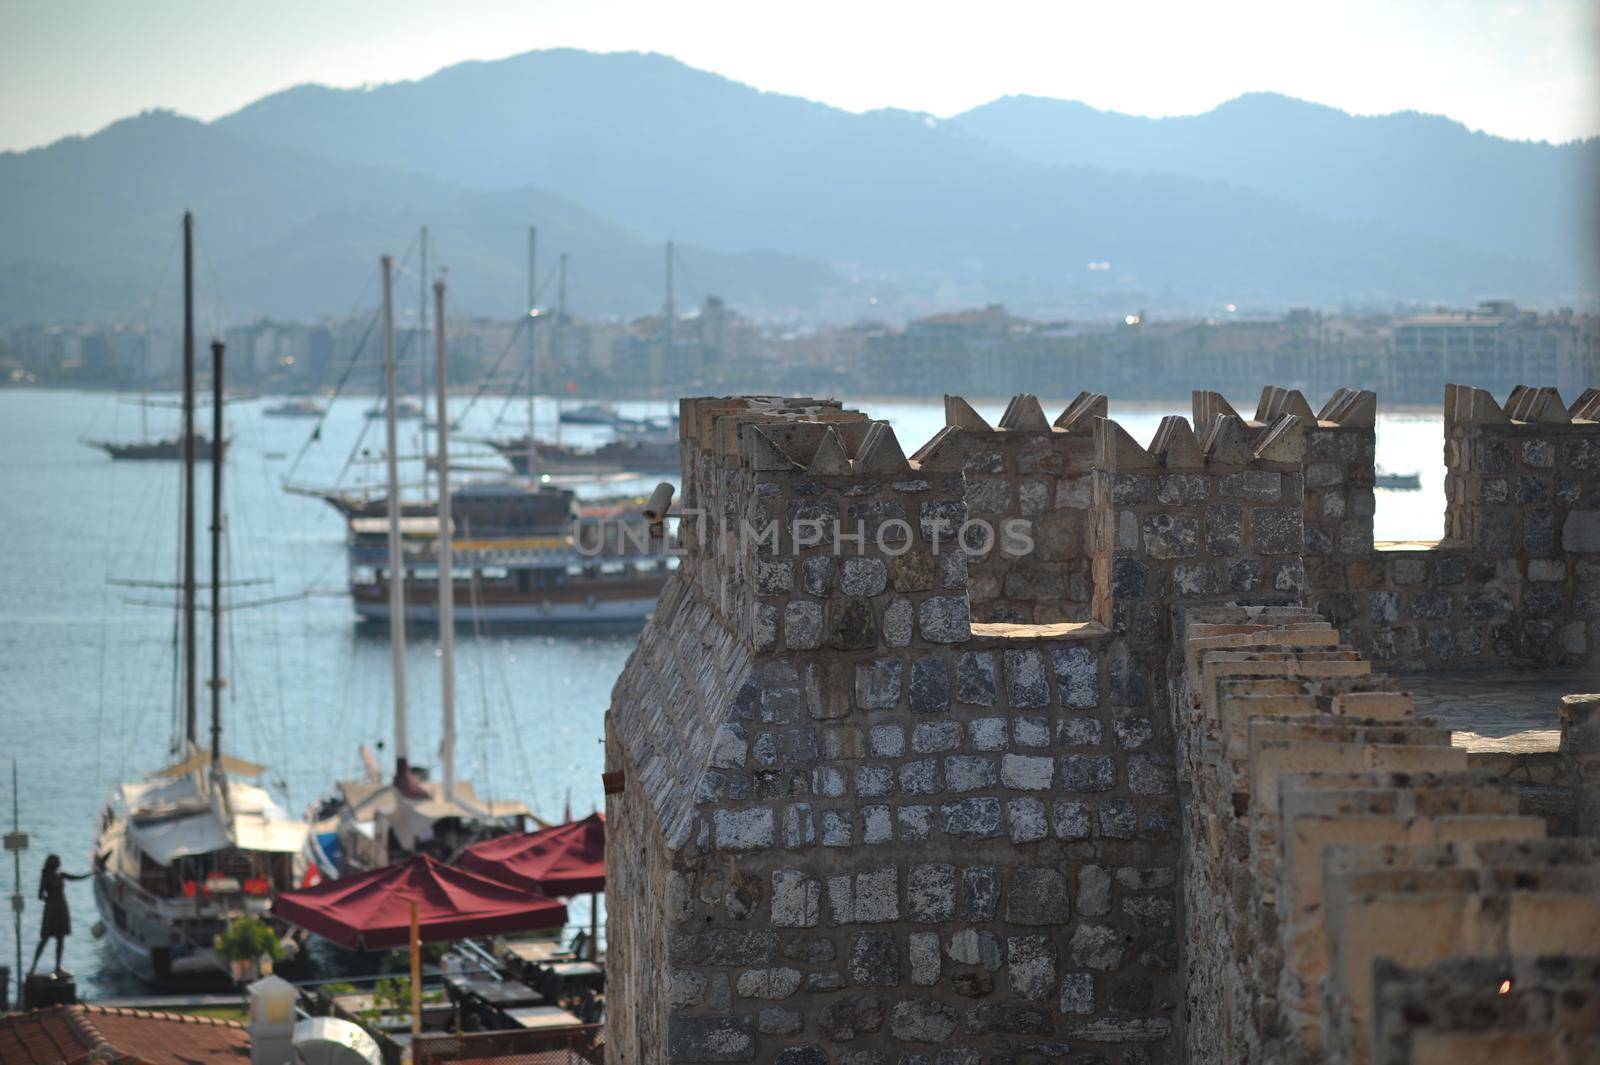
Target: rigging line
x,y
344,378
366,424
488,378
512,395
511,717
483,680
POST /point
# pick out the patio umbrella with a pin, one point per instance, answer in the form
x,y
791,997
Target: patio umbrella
x,y
374,910
567,859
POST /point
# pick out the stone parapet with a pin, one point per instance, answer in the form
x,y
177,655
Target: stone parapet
x,y
1330,835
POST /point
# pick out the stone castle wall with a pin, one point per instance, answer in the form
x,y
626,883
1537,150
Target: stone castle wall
x,y
1352,891
893,798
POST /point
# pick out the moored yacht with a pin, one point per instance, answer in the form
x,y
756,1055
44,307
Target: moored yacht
x,y
181,854
364,824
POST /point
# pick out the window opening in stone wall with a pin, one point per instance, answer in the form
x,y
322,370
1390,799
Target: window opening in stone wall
x,y
1410,442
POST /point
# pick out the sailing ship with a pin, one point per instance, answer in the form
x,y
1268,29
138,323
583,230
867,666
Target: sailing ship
x,y
589,414
366,823
295,408
183,852
170,449
1400,482
608,459
405,410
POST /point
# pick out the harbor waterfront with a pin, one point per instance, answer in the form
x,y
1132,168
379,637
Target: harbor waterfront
x,y
88,698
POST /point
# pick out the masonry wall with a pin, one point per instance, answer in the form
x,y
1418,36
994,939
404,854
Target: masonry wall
x,y
1033,479
911,837
1349,881
886,801
1516,579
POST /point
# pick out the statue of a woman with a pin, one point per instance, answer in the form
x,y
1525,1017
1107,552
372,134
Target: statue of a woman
x,y
57,923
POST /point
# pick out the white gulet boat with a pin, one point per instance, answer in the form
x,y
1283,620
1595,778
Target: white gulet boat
x,y
366,823
185,851
180,855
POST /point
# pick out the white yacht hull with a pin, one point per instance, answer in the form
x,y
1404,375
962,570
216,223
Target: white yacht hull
x,y
148,946
551,613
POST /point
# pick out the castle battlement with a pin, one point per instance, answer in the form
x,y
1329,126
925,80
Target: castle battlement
x,y
900,753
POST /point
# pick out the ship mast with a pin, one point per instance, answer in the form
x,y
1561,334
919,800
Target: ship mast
x,y
216,682
397,573
672,315
422,360
447,589
533,349
190,700
557,344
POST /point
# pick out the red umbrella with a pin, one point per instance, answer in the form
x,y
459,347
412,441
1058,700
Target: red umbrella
x,y
568,859
373,910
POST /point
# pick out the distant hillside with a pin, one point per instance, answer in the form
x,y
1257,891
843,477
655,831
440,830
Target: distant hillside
x,y
287,232
665,148
786,206
1412,171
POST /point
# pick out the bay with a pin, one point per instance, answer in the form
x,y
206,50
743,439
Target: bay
x,y
88,687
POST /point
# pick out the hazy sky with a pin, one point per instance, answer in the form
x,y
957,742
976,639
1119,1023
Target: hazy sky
x,y
1525,70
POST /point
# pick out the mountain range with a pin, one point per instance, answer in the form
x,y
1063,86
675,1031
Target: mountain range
x,y
791,208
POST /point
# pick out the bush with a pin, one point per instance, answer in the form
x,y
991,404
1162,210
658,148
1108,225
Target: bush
x,y
247,939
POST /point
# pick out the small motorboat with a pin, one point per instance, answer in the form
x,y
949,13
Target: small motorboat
x,y
404,409
1399,482
295,408
590,414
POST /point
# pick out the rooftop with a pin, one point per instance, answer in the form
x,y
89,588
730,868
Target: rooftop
x,y
70,1035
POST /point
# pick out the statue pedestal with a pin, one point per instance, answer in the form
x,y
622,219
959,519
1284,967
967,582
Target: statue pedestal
x,y
43,990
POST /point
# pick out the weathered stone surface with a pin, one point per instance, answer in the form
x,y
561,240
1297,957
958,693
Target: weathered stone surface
x,y
924,954
844,1019
988,733
796,899
874,961
1037,895
930,685
1026,684
878,684
931,892
711,1038
1071,819
1026,772
1097,946
1079,732
1094,891
1028,820
968,772
934,737
742,830
944,619
1085,772
1031,966
972,946
974,818
897,629
1077,993
980,886
863,576
1170,536
1149,774
923,1020
767,983
976,678
775,1020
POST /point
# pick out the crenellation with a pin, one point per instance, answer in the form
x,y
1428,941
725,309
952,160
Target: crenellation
x,y
899,790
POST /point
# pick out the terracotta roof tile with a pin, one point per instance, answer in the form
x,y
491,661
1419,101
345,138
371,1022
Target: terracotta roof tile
x,y
72,1035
